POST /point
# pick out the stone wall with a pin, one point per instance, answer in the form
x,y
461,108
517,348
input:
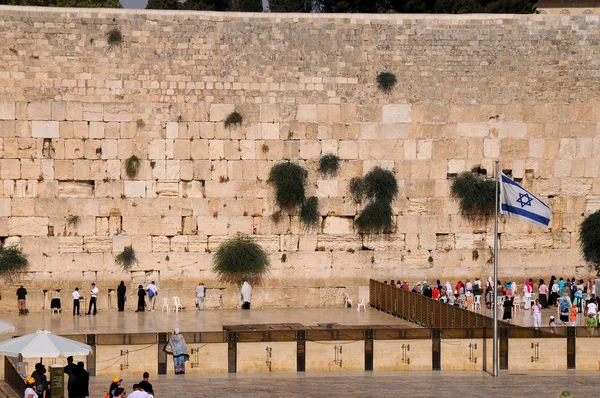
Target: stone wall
x,y
471,89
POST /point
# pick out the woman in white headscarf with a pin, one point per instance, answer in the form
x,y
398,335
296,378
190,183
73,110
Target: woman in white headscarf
x,y
178,348
246,295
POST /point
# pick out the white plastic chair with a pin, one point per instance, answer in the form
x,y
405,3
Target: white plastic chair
x,y
176,304
477,303
165,304
362,304
347,300
517,304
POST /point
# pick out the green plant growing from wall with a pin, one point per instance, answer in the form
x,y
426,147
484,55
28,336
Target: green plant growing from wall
x,y
240,259
289,181
73,221
379,188
589,239
329,164
127,258
309,211
12,262
475,196
386,81
233,119
357,190
132,166
140,123
114,37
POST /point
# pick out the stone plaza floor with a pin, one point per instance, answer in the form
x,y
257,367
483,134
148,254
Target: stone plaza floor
x,y
191,320
368,384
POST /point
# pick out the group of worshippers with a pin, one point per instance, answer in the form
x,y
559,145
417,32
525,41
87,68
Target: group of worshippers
x,y
38,386
143,389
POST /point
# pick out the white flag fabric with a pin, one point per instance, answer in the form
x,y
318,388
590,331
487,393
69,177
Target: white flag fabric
x,y
517,202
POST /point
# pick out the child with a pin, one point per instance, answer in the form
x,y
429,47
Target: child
x,y
552,325
573,316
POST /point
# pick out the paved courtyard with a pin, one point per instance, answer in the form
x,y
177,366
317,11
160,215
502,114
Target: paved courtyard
x,y
367,384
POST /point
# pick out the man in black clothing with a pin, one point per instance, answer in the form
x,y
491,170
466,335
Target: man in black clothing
x,y
71,370
145,385
21,303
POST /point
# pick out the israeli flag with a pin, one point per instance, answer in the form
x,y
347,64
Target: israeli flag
x,y
517,202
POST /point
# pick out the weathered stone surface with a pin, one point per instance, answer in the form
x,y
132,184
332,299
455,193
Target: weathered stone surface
x,y
45,129
24,226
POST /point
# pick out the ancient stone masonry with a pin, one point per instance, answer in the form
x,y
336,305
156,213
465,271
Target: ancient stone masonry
x,y
471,89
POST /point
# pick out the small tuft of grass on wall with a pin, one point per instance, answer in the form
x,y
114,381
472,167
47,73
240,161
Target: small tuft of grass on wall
x,y
140,123
589,239
357,189
132,166
289,181
234,119
240,259
329,164
475,196
73,221
127,258
386,81
114,37
309,212
376,217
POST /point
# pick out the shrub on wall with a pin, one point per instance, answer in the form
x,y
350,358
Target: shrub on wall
x,y
329,164
386,81
233,119
309,212
114,37
132,166
127,258
73,221
379,187
240,259
475,196
357,189
589,239
376,217
12,262
289,181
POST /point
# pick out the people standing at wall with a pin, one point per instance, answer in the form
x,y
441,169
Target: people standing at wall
x,y
543,294
76,297
246,295
121,294
22,300
564,307
141,307
93,297
554,294
508,306
573,316
527,293
200,295
152,293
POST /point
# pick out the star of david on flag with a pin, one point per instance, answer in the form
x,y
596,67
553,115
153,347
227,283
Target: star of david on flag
x,y
517,202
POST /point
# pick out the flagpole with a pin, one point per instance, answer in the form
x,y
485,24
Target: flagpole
x,y
495,302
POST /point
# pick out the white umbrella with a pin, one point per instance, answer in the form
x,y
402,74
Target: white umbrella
x,y
6,327
43,344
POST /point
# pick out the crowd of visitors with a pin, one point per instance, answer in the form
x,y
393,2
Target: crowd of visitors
x,y
143,389
570,297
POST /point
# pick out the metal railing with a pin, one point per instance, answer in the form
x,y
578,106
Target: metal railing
x,y
423,310
12,377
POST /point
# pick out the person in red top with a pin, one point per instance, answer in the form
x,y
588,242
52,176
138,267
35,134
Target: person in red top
x,y
435,293
405,285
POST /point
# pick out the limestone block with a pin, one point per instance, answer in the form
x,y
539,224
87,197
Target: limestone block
x,y
45,129
167,188
269,131
247,149
339,242
172,130
172,169
307,113
117,113
424,148
469,240
161,244
70,244
347,149
96,130
134,189
179,243
209,225
338,225
181,149
240,225
158,226
456,166
491,148
427,241
74,111
216,149
97,244
517,241
197,243
7,110
24,226
5,207
157,149
10,169
39,111
397,113
231,149
328,113
109,149
219,112
191,189
310,149
575,187
93,112
472,130
327,188
22,207
31,169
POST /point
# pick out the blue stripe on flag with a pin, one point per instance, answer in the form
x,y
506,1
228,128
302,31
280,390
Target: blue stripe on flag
x,y
506,180
524,213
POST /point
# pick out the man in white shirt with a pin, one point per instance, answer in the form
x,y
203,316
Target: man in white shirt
x,y
591,308
152,292
139,393
93,297
76,298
